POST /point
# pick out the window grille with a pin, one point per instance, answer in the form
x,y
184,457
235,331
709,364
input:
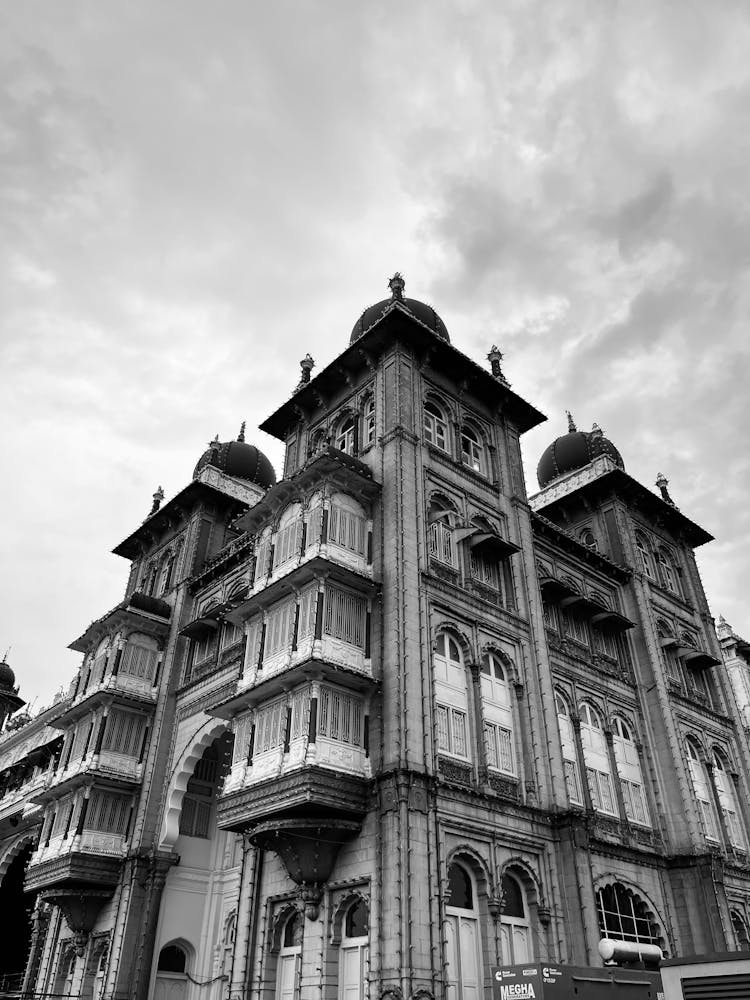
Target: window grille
x,y
635,802
346,528
81,737
279,627
623,916
288,542
62,817
573,782
138,661
261,558
484,569
600,786
314,526
241,738
123,733
499,747
345,616
308,605
107,812
451,731
270,726
300,713
340,716
440,542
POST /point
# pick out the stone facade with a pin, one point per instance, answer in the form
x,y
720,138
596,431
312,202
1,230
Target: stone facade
x,y
377,727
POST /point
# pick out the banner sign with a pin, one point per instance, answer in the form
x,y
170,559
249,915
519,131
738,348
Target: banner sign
x,y
560,982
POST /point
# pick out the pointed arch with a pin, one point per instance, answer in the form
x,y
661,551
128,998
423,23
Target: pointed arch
x,y
181,774
465,854
341,909
278,924
522,870
15,848
456,632
611,880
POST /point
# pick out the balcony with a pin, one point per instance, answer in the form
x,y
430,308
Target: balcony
x,y
146,614
18,801
297,792
86,859
114,769
123,689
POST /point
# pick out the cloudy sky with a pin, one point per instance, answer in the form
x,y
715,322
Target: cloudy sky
x,y
194,195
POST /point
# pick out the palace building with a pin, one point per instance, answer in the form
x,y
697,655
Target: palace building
x,y
371,727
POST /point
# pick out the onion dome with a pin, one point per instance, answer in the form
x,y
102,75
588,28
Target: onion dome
x,y
420,310
574,450
238,459
7,677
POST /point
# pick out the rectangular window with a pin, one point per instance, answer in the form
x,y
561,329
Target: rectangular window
x,y
710,825
81,737
300,713
346,529
451,731
232,633
733,828
485,570
62,816
314,527
573,782
279,628
340,716
549,613
241,738
499,747
270,726
440,539
288,542
138,661
308,606
574,626
123,733
107,812
600,786
345,616
635,802
261,559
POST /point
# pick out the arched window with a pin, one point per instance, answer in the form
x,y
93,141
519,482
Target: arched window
x,y
67,972
345,435
172,958
368,422
452,700
728,801
230,932
702,789
288,536
347,526
742,939
435,426
353,956
440,533
464,975
596,760
166,573
645,555
588,538
514,923
316,442
624,916
629,772
668,570
290,957
472,450
570,757
498,714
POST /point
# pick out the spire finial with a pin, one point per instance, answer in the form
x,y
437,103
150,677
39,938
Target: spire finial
x,y
397,286
306,364
158,497
494,357
662,482
241,435
571,423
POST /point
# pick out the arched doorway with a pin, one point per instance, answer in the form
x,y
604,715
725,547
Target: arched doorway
x,y
17,931
354,952
290,955
171,973
463,951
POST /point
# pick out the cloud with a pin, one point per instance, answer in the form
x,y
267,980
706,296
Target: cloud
x,y
192,198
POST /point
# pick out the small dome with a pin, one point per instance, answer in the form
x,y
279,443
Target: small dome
x,y
420,310
7,677
239,459
572,451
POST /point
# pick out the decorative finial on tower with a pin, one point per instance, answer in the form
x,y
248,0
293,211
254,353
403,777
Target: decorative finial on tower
x,y
397,286
596,431
158,497
495,357
571,423
215,440
662,482
306,364
241,435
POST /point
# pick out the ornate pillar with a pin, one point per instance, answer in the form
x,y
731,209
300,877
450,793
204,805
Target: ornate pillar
x,y
481,740
239,971
155,877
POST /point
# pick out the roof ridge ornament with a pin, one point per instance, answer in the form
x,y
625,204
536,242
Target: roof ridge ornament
x,y
494,357
397,284
662,482
571,423
241,435
306,364
158,496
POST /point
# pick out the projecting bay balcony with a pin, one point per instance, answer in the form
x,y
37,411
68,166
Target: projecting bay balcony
x,y
121,689
146,614
89,858
21,801
113,769
296,792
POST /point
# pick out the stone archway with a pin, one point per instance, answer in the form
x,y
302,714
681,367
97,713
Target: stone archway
x,y
183,771
17,905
